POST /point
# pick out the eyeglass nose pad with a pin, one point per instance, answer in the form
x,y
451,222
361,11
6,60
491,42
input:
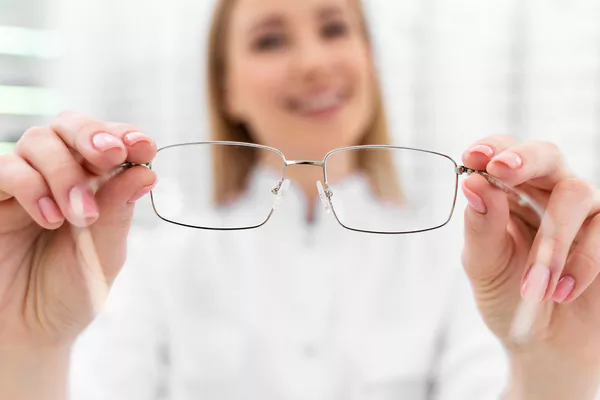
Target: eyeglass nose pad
x,y
278,191
325,195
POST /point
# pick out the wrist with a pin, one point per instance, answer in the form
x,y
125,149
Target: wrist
x,y
39,373
544,374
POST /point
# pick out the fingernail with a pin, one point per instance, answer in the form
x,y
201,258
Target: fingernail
x,y
135,137
475,201
565,286
141,194
482,149
106,141
536,283
50,210
83,201
511,160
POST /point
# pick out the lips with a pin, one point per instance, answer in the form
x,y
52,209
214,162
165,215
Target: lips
x,y
324,103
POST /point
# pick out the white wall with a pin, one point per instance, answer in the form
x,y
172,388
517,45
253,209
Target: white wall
x,y
453,70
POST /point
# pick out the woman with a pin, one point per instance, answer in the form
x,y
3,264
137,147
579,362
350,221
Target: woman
x,y
303,68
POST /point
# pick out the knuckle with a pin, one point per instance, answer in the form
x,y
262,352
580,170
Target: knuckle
x,y
559,244
124,222
65,116
30,185
546,147
24,180
63,168
8,163
558,241
553,147
4,162
89,127
585,261
575,186
60,119
76,123
32,134
5,170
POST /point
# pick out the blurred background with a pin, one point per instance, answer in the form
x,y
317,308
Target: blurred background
x,y
28,47
453,71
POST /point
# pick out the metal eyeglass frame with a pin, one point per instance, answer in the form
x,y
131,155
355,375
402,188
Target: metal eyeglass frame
x,y
326,193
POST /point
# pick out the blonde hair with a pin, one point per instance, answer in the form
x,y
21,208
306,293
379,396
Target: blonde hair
x,y
232,167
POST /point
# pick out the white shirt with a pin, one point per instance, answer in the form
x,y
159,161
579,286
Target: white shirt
x,y
290,311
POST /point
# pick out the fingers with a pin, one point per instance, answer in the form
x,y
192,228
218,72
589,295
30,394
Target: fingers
x,y
4,176
116,200
103,146
141,149
488,245
583,265
19,180
540,164
90,138
52,164
481,152
45,152
558,268
568,208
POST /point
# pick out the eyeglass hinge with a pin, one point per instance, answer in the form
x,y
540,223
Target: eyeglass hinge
x,y
131,165
464,170
126,166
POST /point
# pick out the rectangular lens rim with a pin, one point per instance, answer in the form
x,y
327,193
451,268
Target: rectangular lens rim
x,y
225,143
365,147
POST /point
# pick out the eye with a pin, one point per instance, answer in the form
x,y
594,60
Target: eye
x,y
269,42
334,30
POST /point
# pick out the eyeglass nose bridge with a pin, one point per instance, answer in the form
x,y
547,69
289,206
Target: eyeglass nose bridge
x,y
278,188
325,193
304,162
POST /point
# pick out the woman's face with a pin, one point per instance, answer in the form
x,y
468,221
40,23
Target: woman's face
x,y
299,74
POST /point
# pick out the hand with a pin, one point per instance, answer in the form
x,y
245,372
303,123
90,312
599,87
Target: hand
x,y
44,299
508,255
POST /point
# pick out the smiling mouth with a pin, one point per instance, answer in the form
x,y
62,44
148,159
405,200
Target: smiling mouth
x,y
322,105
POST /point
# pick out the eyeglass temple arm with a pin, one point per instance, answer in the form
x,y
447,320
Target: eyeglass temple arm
x,y
521,198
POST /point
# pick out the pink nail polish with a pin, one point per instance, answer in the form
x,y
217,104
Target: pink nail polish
x,y
482,149
565,287
536,283
90,209
511,160
105,141
475,201
50,210
136,137
141,193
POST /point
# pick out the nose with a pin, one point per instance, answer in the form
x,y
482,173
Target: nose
x,y
312,59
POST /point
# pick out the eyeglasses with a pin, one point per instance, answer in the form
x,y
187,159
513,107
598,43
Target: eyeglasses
x,y
381,189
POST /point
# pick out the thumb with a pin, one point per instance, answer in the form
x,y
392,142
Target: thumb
x,y
116,200
488,244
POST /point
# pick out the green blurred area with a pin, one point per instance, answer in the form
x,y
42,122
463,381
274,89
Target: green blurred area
x,y
28,100
6,147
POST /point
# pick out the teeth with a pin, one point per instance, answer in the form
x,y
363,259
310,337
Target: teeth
x,y
320,103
